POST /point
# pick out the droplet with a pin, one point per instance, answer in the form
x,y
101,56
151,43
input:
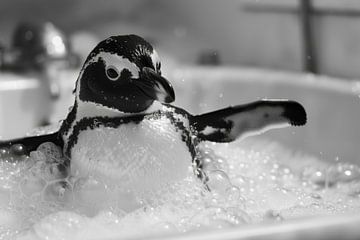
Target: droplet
x,y
17,149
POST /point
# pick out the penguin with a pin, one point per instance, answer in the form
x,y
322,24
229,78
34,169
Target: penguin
x,y
122,126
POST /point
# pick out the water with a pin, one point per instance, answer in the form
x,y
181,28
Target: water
x,y
251,181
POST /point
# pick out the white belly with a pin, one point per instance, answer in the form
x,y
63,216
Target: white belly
x,y
134,157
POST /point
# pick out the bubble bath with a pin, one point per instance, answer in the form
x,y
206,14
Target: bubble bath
x,y
251,181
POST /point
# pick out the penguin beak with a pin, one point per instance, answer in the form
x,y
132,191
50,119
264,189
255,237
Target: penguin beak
x,y
155,86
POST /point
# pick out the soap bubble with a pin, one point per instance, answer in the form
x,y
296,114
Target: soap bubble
x,y
343,172
315,176
206,157
208,163
233,193
241,182
208,216
37,156
262,183
17,149
90,193
54,171
57,191
52,152
8,232
221,163
207,150
218,181
238,216
4,153
32,185
217,217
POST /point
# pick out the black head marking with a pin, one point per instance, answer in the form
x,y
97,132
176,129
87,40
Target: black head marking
x,y
131,47
123,72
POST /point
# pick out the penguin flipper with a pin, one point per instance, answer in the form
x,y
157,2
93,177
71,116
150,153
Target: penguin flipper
x,y
228,124
31,143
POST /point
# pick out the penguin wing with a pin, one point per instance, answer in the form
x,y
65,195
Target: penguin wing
x,y
228,124
31,143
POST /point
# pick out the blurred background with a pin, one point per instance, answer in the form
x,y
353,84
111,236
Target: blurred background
x,y
215,53
261,33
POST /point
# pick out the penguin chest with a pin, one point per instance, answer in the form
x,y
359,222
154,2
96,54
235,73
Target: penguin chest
x,y
134,156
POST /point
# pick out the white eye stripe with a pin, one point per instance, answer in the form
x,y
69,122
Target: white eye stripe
x,y
112,73
118,62
155,59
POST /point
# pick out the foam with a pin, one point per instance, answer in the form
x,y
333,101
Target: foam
x,y
251,181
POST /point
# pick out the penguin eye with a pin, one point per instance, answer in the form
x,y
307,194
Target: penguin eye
x,y
112,73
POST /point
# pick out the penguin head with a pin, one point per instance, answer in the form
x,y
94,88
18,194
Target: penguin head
x,y
123,73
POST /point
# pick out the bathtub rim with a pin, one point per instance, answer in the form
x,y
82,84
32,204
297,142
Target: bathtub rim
x,y
297,228
301,79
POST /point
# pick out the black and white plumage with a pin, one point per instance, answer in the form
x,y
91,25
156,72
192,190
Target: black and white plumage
x,y
121,125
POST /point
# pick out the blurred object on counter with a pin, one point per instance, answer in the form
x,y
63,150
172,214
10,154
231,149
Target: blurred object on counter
x,y
40,52
35,45
39,47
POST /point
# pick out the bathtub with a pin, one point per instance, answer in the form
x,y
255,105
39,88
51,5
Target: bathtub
x,y
25,102
332,132
333,108
332,105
